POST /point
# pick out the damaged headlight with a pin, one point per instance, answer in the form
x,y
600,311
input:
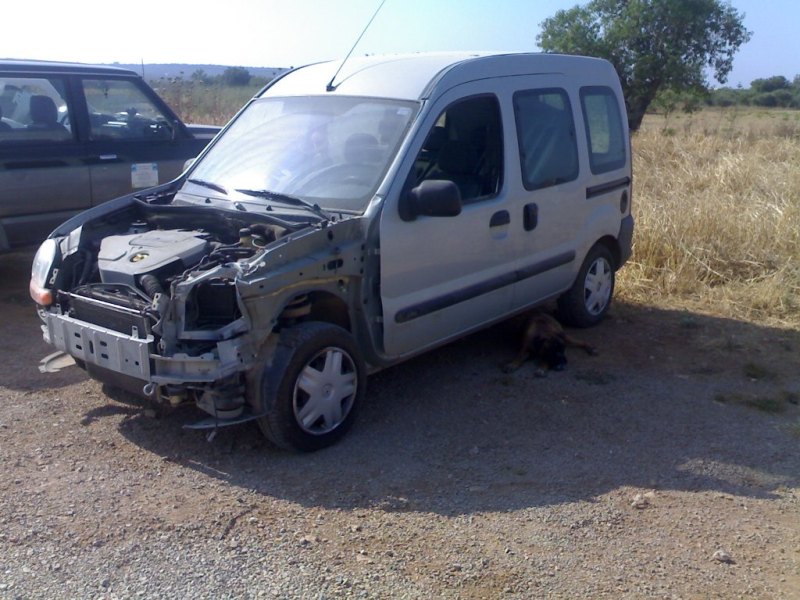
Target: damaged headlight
x,y
42,264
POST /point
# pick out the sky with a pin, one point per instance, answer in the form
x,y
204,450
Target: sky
x,y
284,33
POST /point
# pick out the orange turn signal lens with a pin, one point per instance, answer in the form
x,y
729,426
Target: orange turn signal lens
x,y
41,296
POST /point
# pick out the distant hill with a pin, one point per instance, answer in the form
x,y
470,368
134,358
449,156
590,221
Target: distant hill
x,y
157,71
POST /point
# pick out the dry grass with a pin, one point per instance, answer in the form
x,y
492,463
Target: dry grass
x,y
717,208
209,104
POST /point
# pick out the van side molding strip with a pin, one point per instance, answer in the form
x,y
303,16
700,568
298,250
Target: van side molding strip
x,y
604,188
484,287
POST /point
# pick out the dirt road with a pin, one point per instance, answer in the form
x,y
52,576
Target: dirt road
x,y
666,467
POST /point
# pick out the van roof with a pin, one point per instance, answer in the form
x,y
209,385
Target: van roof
x,y
413,76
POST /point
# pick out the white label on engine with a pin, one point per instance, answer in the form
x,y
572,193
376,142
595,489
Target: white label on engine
x,y
144,175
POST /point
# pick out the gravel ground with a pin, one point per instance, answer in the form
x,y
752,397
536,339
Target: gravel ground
x,y
666,467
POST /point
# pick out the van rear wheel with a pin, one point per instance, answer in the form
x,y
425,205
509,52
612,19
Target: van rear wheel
x,y
313,387
588,300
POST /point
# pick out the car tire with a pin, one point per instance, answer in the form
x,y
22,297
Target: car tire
x,y
312,387
588,300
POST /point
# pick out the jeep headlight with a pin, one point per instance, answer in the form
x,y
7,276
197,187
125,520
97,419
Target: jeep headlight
x,y
42,264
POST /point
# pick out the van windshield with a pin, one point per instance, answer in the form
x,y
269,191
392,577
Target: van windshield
x,y
327,150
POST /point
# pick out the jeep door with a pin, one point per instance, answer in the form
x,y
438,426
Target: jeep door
x,y
44,178
135,141
442,276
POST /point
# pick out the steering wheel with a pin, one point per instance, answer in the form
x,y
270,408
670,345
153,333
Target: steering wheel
x,y
341,174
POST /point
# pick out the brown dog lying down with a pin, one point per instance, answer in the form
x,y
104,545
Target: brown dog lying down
x,y
545,340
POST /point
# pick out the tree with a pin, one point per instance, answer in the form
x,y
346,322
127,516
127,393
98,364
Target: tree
x,y
668,101
727,97
236,76
770,84
653,44
200,76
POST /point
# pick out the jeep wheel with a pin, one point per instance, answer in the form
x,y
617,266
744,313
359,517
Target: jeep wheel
x,y
313,387
588,300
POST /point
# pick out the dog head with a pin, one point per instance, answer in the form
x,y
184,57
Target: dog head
x,y
553,354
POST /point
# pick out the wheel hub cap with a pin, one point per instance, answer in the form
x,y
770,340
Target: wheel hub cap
x,y
325,391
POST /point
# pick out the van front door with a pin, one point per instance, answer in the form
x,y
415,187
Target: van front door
x,y
443,276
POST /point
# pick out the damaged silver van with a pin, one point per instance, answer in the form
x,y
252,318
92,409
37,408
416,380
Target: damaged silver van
x,y
349,217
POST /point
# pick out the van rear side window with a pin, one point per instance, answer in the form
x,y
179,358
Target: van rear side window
x,y
604,131
546,135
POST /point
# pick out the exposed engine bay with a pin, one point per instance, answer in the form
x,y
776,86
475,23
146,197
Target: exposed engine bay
x,y
131,269
126,258
153,298
158,243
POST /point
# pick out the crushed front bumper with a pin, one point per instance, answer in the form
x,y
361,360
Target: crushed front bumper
x,y
118,352
135,356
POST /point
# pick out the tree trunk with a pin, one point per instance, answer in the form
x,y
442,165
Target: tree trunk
x,y
638,104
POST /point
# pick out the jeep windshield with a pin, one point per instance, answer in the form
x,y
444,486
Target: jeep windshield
x,y
327,151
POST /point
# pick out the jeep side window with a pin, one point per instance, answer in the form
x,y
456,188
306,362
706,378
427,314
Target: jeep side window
x,y
118,109
466,147
546,134
33,109
604,130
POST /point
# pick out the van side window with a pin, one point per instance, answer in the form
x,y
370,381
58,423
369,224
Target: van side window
x,y
33,109
546,135
604,130
466,147
119,110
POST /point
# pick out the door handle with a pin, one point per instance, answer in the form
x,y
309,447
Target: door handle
x,y
530,216
107,157
501,217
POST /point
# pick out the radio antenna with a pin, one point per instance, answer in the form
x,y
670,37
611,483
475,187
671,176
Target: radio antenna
x,y
330,87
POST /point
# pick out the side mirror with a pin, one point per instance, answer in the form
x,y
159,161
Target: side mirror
x,y
431,198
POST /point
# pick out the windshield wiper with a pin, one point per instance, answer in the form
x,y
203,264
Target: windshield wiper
x,y
209,184
286,199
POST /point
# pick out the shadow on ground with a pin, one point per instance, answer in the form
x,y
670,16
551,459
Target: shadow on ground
x,y
450,433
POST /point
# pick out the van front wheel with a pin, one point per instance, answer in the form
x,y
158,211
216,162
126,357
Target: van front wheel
x,y
312,388
588,300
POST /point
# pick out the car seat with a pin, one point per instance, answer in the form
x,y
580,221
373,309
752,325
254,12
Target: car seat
x,y
458,162
3,125
44,114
